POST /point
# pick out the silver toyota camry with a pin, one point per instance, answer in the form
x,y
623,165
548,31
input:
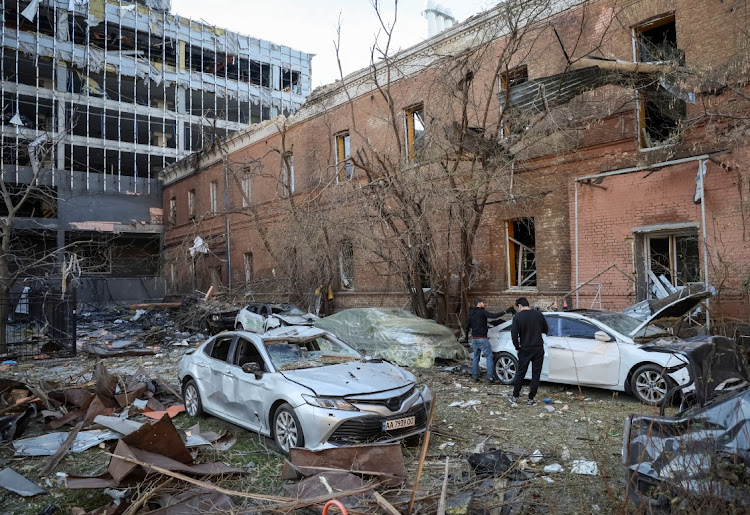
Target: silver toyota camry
x,y
302,387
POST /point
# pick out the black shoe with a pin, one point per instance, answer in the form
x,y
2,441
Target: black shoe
x,y
531,402
475,379
493,381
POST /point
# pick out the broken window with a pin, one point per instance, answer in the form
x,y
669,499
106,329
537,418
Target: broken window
x,y
290,81
415,130
343,160
660,111
191,204
670,261
93,257
214,191
521,242
287,174
346,264
173,210
246,191
513,123
248,258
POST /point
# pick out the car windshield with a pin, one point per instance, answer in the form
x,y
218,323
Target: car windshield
x,y
311,352
625,324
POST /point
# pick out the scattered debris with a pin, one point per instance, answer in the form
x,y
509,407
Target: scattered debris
x,y
584,467
15,482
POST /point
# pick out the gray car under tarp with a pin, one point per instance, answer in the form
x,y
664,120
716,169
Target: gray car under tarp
x,y
394,335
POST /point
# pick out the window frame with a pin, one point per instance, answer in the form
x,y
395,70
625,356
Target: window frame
x,y
191,204
661,97
247,259
644,262
214,196
514,273
246,192
287,174
346,264
344,166
509,79
173,210
414,144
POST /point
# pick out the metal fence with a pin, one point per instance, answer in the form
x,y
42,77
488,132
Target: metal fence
x,y
38,325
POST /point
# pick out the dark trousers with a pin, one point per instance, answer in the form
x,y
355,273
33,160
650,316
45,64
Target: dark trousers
x,y
535,356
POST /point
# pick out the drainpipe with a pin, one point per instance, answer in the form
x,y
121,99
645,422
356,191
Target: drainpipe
x,y
226,222
701,171
575,222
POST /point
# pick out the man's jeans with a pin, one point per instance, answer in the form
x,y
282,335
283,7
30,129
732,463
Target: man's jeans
x,y
482,346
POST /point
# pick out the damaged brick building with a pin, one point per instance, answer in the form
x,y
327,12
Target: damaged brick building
x,y
119,90
588,154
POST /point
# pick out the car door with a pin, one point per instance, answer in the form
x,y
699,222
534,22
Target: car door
x,y
248,397
557,355
593,362
217,380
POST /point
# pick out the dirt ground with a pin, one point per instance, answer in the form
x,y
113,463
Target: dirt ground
x,y
586,424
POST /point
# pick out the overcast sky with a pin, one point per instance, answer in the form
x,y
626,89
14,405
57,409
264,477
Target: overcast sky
x,y
310,25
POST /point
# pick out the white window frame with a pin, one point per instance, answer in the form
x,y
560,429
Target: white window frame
x,y
214,196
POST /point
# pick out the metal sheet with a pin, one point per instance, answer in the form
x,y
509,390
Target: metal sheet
x,y
15,482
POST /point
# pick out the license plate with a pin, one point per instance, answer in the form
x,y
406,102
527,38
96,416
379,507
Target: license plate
x,y
399,423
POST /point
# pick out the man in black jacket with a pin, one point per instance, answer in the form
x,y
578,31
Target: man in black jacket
x,y
477,322
526,333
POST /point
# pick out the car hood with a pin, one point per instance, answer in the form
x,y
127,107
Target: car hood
x,y
355,378
674,309
712,360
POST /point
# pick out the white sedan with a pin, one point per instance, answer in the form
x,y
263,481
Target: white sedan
x,y
601,349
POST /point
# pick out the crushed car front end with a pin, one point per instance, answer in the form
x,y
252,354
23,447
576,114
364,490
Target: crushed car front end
x,y
702,454
381,417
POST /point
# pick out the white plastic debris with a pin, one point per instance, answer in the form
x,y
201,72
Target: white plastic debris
x,y
548,479
584,467
549,408
565,453
536,456
465,404
446,444
553,469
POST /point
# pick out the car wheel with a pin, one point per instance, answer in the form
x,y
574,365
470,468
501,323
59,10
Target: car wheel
x,y
650,384
506,367
287,431
192,399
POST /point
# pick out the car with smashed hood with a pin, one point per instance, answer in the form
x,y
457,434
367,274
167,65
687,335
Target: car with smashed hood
x,y
604,349
395,335
303,387
700,458
261,317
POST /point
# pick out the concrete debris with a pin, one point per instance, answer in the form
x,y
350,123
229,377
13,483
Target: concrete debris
x,y
584,467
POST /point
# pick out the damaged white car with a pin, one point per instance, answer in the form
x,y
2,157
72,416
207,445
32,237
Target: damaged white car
x,y
303,387
603,349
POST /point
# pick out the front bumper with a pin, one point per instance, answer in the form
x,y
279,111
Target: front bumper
x,y
325,428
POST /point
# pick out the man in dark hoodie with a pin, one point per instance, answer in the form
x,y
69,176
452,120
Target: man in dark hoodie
x,y
477,323
526,332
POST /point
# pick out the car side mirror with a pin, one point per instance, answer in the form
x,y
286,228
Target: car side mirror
x,y
253,368
602,336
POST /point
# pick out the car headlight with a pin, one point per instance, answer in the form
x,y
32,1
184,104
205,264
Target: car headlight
x,y
329,403
675,368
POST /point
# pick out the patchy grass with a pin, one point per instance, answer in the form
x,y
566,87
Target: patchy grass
x,y
590,428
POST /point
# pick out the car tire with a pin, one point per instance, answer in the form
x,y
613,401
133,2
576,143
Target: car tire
x,y
287,431
506,367
650,384
192,399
